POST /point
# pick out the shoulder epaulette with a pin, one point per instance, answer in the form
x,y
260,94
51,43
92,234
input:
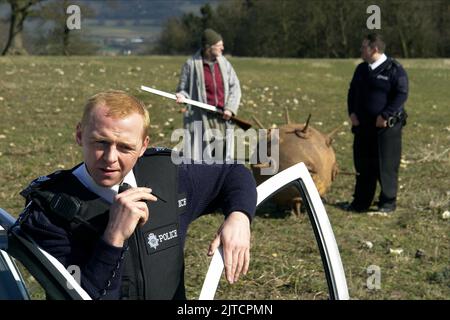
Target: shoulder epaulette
x,y
396,63
393,62
158,151
43,181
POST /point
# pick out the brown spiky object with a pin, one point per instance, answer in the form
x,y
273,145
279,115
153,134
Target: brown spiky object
x,y
302,143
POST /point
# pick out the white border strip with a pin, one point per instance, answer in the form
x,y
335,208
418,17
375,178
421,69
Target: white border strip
x,y
13,269
69,279
281,179
58,265
326,233
212,276
11,266
264,190
333,258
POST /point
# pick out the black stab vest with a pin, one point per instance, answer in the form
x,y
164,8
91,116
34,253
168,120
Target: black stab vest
x,y
154,264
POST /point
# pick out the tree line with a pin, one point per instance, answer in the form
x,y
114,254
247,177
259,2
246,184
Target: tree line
x,y
313,29
260,28
51,34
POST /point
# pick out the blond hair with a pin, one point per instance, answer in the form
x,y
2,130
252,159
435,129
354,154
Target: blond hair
x,y
119,104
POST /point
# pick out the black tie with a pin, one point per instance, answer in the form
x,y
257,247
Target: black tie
x,y
123,187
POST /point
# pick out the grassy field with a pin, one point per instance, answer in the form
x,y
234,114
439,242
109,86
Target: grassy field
x,y
41,100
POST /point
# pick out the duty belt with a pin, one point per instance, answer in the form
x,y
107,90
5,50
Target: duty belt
x,y
397,117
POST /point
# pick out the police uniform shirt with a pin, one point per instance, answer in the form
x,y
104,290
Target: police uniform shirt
x,y
107,193
379,62
380,88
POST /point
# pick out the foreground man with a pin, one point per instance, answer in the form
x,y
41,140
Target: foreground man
x,y
122,215
376,98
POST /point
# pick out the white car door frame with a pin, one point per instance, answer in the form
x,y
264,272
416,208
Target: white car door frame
x,y
299,177
48,271
12,284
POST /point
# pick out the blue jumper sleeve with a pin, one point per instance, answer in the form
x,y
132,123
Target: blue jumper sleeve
x,y
352,96
230,187
100,272
399,94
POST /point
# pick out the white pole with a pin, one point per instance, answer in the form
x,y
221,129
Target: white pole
x,y
188,101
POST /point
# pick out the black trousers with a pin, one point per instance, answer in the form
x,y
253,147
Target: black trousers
x,y
376,155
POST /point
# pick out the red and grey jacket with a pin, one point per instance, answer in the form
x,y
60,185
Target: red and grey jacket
x,y
215,92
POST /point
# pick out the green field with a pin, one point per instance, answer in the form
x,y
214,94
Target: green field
x,y
41,100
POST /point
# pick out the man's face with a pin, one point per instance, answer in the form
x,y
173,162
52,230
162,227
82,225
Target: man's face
x,y
217,49
367,52
111,147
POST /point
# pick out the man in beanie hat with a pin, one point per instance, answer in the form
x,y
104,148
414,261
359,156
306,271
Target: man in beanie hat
x,y
208,77
210,38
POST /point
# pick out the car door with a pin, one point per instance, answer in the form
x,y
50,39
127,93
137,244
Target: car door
x,y
57,282
11,283
299,177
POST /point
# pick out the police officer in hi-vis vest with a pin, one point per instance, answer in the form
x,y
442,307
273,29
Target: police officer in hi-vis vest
x,y
376,98
122,214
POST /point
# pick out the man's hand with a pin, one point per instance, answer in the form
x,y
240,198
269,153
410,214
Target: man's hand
x,y
381,122
227,114
234,235
180,98
354,120
126,212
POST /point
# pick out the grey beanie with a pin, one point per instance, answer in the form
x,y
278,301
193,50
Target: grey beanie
x,y
210,37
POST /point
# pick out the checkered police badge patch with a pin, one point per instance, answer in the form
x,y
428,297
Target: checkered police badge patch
x,y
153,241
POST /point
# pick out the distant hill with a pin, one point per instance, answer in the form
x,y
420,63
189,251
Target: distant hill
x,y
119,26
158,10
133,26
